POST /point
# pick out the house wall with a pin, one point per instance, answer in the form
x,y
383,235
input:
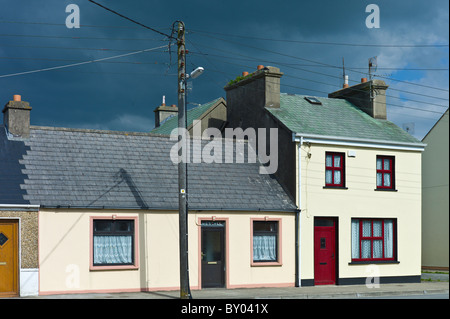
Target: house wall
x,y
361,200
28,249
64,252
435,205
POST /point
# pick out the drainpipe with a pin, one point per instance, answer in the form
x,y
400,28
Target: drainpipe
x,y
298,217
297,248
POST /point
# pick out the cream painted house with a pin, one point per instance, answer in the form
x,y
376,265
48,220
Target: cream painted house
x,y
97,211
356,178
435,206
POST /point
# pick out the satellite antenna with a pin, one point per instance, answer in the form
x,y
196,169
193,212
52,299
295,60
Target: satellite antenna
x,y
373,65
409,127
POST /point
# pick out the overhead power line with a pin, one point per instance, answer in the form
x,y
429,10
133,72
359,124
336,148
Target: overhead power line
x,y
134,21
321,63
437,45
320,91
75,38
328,75
65,48
290,65
80,63
63,24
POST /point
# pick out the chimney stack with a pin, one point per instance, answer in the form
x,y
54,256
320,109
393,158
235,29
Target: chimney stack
x,y
369,96
246,97
16,117
162,112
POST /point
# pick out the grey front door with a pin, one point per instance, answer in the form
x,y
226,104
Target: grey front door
x,y
213,254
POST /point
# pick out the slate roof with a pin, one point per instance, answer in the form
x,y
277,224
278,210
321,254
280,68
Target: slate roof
x,y
104,169
192,114
335,117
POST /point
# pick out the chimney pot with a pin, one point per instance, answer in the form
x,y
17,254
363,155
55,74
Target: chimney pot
x,y
17,98
363,80
260,67
245,73
345,81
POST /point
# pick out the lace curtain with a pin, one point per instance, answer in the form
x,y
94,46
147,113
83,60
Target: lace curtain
x,y
113,250
264,248
372,248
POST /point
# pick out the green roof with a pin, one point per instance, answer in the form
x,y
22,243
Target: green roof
x,y
335,117
172,122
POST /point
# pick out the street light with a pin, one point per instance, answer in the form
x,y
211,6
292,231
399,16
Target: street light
x,y
196,73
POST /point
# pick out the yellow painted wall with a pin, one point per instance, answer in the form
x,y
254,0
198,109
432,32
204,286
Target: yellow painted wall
x,y
64,239
361,200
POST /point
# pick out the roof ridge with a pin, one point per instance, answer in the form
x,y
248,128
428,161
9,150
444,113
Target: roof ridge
x,y
96,131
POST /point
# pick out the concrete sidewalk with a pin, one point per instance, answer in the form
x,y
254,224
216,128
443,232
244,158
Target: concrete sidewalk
x,y
316,292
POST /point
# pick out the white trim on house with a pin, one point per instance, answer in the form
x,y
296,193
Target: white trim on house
x,y
358,142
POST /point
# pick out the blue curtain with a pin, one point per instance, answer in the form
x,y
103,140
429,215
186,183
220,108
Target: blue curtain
x,y
113,250
264,248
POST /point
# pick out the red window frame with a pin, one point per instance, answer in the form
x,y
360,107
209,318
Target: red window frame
x,y
384,171
333,169
372,238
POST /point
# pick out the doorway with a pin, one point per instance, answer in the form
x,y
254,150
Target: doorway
x,y
325,257
9,258
213,264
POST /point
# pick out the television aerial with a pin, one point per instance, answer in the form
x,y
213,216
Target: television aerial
x,y
373,65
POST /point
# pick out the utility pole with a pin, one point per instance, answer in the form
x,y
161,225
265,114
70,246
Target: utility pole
x,y
182,165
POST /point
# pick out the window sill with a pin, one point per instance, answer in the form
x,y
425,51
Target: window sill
x,y
369,262
112,267
335,187
266,263
385,190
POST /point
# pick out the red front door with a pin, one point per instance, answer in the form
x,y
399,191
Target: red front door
x,y
324,251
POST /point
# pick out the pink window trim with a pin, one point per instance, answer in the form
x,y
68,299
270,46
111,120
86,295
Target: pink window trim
x,y
91,243
269,263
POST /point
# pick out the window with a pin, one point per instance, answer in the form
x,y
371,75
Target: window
x,y
385,172
113,242
373,239
334,170
312,100
265,241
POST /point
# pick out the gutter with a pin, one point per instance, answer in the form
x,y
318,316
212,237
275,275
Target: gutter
x,y
359,142
19,206
284,210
